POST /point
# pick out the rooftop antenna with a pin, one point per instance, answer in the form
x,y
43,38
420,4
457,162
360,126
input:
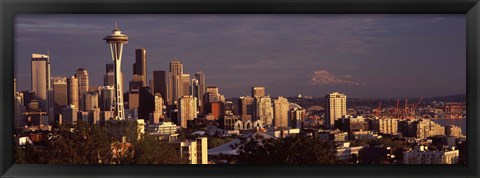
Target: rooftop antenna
x,y
116,25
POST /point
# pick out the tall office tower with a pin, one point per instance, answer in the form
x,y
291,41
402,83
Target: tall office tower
x,y
200,77
91,101
160,83
60,94
19,108
247,108
116,41
50,106
194,88
109,77
41,78
187,110
258,92
264,110
147,106
140,65
69,114
175,81
107,98
280,108
158,111
296,117
212,89
72,91
186,84
335,108
82,76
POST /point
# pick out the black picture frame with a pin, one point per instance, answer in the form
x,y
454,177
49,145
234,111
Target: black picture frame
x,y
10,8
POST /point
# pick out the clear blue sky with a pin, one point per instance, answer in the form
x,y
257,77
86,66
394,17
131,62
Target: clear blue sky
x,y
359,55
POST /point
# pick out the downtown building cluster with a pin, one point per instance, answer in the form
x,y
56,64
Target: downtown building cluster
x,y
171,101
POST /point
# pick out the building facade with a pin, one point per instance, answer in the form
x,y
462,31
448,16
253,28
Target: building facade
x,y
335,108
187,110
281,112
40,70
82,76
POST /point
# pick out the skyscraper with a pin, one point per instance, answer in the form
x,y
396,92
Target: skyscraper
x,y
258,92
335,107
158,111
160,84
187,110
72,91
60,93
41,78
247,108
186,84
82,76
69,114
91,101
200,77
296,117
264,110
107,98
281,112
175,81
109,77
116,41
140,65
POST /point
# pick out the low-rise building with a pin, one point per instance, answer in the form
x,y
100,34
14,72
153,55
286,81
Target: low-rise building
x,y
162,128
421,155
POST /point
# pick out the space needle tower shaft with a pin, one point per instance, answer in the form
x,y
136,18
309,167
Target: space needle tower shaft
x,y
116,41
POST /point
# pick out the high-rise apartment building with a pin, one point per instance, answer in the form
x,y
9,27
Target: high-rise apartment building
x,y
385,125
264,110
82,75
72,91
175,81
140,65
187,110
335,108
281,112
41,78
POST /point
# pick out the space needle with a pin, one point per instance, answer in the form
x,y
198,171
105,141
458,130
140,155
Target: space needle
x,y
116,41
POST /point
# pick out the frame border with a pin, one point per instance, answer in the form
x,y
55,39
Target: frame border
x,y
9,8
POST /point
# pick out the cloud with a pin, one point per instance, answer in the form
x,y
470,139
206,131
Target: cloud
x,y
323,77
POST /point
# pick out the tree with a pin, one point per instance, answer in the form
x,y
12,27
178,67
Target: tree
x,y
289,150
150,150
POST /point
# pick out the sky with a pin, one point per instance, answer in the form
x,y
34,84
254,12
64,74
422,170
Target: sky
x,y
362,56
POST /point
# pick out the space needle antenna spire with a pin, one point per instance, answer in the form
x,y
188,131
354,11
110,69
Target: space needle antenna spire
x,y
116,40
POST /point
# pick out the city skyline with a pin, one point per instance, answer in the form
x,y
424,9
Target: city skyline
x,y
361,55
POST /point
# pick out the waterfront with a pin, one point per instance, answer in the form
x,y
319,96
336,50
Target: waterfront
x,y
462,122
